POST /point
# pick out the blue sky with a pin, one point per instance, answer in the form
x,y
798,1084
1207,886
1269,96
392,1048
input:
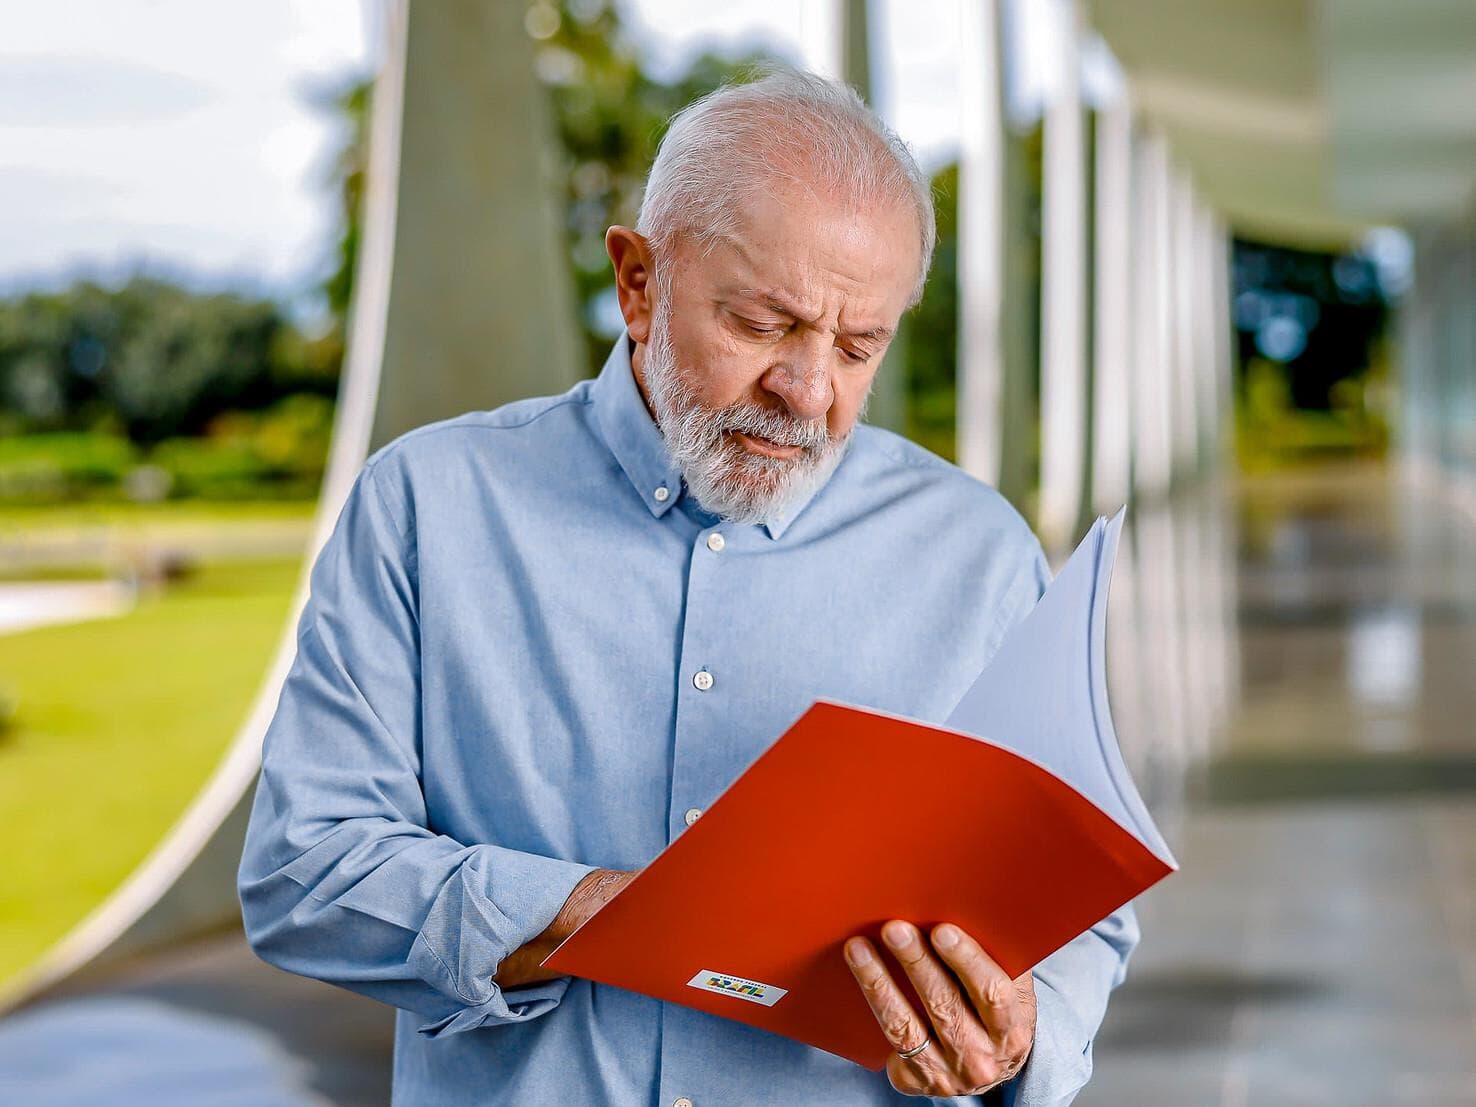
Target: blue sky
x,y
182,135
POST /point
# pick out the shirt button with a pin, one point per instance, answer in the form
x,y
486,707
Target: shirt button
x,y
692,815
661,493
681,1101
702,679
715,542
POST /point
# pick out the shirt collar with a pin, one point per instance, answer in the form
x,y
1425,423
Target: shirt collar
x,y
631,434
636,441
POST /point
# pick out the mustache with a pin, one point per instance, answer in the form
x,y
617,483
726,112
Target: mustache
x,y
776,427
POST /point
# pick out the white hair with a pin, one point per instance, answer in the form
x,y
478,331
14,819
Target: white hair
x,y
787,124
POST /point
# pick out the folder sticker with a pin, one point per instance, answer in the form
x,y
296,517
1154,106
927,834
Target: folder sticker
x,y
725,984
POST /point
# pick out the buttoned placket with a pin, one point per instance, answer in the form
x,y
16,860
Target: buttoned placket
x,y
703,696
701,693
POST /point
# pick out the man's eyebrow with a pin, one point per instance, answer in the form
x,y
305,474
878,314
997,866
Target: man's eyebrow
x,y
777,301
876,334
774,301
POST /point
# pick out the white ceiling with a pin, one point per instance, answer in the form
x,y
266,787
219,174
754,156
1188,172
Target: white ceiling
x,y
1309,120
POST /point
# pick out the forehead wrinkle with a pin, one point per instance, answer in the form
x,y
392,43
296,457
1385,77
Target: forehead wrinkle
x,y
777,300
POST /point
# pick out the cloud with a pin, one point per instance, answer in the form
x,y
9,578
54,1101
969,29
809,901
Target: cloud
x,y
49,90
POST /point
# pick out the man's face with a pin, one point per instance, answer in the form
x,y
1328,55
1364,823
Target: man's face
x,y
761,355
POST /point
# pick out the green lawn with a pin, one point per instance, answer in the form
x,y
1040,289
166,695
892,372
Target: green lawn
x,y
118,724
163,511
85,540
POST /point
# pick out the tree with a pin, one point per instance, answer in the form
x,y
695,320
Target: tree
x,y
151,358
610,116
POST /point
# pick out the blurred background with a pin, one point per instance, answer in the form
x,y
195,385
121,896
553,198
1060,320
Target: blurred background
x,y
1212,258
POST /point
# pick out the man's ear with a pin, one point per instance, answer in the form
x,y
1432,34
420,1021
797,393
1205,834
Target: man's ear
x,y
630,253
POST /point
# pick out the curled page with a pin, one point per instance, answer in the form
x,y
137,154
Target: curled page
x,y
1044,693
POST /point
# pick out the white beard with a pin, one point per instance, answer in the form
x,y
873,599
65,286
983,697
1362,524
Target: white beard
x,y
727,479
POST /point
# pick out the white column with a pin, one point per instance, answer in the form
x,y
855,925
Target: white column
x,y
1161,631
1150,426
1206,350
821,36
981,359
1112,290
1182,303
1224,330
1063,291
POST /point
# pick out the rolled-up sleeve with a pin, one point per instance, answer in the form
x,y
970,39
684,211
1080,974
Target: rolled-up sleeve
x,y
1071,990
341,878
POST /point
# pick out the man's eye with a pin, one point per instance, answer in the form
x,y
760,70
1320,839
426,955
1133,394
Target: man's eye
x,y
854,355
760,328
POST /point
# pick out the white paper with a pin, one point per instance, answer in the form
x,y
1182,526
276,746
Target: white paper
x,y
1044,693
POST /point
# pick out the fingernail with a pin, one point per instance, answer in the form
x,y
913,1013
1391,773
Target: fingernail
x,y
945,937
896,935
857,953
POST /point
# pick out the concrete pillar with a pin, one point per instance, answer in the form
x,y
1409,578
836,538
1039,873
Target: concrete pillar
x,y
1161,638
462,300
1113,318
981,242
887,406
482,309
1183,311
1206,348
1152,462
1224,332
1063,293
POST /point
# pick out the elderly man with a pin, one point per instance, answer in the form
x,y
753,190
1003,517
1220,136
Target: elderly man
x,y
541,638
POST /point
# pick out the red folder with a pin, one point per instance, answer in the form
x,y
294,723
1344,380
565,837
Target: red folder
x,y
745,913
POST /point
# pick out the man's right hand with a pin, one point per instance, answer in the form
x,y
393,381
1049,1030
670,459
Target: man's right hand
x,y
592,892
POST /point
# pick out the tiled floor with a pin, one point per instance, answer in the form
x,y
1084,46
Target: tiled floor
x,y
1317,948
1319,945
1312,953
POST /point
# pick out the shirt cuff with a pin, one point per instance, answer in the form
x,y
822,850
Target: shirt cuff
x,y
500,900
1060,1061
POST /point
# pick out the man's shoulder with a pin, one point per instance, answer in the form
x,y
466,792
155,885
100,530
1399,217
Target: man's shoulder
x,y
887,463
480,433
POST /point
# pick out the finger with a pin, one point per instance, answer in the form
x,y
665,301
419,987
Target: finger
x,y
907,1077
898,1021
953,1019
993,993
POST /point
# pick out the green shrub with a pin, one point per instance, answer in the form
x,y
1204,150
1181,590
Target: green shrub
x,y
278,452
63,464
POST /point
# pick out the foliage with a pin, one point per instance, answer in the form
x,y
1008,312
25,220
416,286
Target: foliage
x,y
931,353
350,103
1272,432
1312,355
278,452
1315,312
179,388
285,446
62,464
149,359
610,115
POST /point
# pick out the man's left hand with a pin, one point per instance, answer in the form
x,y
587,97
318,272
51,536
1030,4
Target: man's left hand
x,y
982,1022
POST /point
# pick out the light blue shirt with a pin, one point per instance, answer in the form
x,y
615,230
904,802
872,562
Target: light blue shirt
x,y
494,693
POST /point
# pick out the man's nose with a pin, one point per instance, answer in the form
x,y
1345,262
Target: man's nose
x,y
802,381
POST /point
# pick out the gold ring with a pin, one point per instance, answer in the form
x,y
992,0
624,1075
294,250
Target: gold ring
x,y
915,1050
